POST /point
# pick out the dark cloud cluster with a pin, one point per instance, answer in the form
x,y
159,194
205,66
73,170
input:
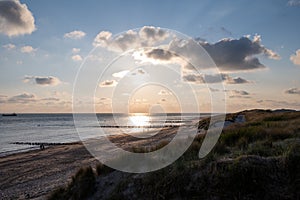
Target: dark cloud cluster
x,y
236,80
108,83
238,54
42,80
160,54
15,18
293,91
239,92
213,78
230,55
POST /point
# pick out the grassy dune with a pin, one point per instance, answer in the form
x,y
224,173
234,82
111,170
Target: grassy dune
x,y
257,159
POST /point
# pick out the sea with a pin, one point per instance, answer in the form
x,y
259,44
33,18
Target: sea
x,y
17,132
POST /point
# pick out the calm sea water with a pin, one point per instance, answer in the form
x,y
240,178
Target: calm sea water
x,y
60,128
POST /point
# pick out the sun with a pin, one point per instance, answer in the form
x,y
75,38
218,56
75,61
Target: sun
x,y
139,120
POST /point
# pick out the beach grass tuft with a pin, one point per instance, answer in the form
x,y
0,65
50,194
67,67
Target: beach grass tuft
x,y
81,186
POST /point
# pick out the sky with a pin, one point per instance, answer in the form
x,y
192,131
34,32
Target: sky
x,y
54,56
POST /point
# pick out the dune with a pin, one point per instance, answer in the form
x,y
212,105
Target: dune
x,y
257,140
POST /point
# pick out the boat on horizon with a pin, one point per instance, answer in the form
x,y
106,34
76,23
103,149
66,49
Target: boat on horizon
x,y
9,114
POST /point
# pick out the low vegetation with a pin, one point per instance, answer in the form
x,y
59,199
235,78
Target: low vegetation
x,y
81,186
257,159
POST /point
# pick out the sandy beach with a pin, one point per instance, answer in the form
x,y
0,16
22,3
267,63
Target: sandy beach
x,y
34,174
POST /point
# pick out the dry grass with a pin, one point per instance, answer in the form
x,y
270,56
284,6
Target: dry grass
x,y
255,159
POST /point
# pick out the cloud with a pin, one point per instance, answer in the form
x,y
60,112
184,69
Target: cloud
x,y
27,49
160,54
233,93
214,89
50,99
32,99
230,55
295,58
201,79
120,74
157,56
102,38
104,99
194,78
294,3
293,91
75,50
126,41
138,71
15,19
75,35
237,80
146,36
3,98
108,83
77,58
9,46
279,104
164,92
238,54
153,33
22,98
213,78
238,94
42,80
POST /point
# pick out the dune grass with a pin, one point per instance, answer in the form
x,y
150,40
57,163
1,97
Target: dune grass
x,y
256,159
81,186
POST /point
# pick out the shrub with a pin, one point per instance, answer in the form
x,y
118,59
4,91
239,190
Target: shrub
x,y
248,133
292,162
102,169
260,149
274,118
81,186
58,194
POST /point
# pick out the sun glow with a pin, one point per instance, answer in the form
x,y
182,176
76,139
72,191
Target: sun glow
x,y
139,120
